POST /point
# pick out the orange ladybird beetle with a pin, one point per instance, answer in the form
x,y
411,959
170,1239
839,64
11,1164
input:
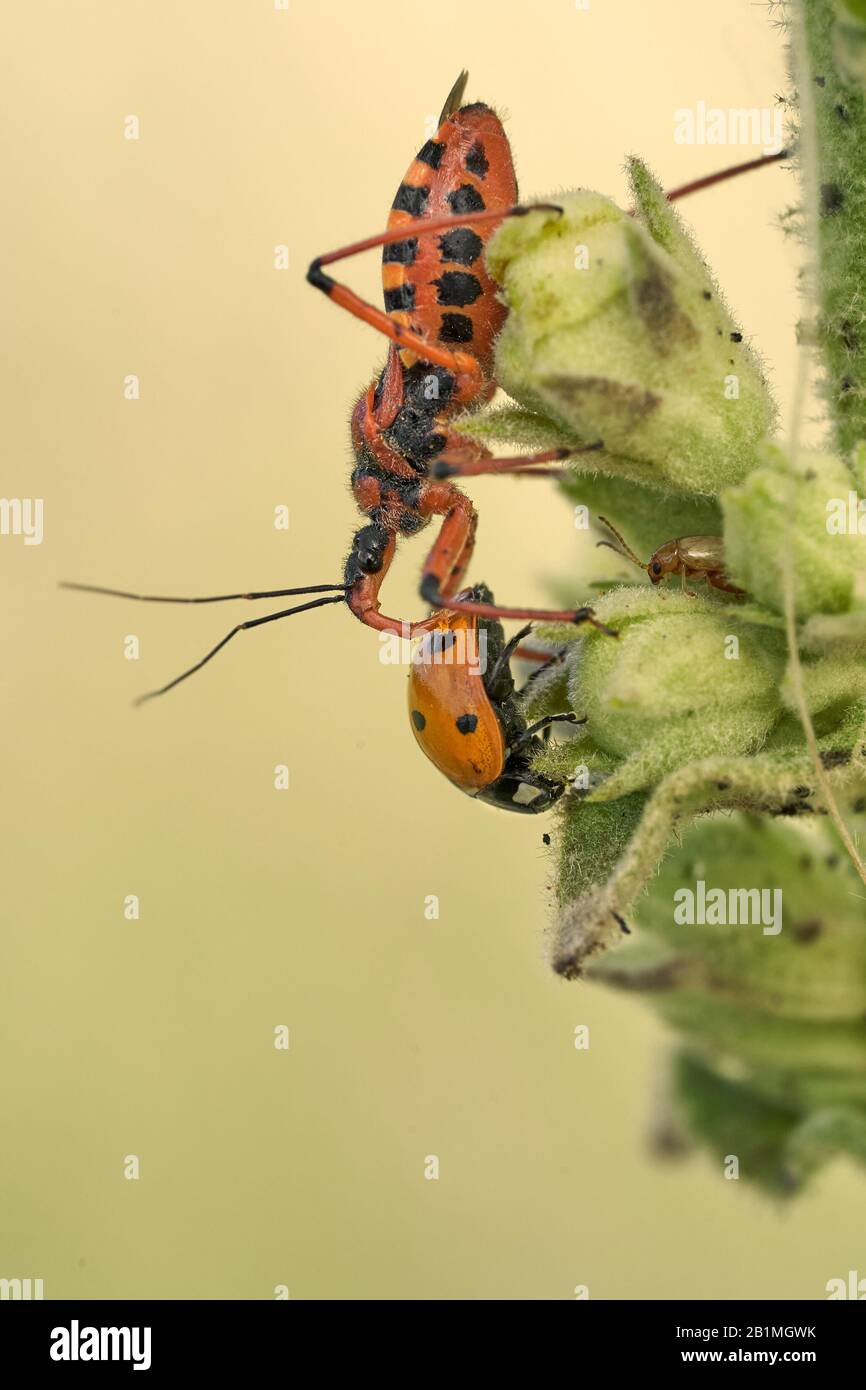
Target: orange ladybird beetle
x,y
466,718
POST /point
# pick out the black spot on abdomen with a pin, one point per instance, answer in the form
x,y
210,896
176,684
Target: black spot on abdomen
x,y
461,246
411,200
455,328
465,199
400,252
418,720
457,287
431,153
476,161
403,297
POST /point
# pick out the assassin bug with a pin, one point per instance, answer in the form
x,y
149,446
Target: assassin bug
x,y
464,713
691,557
441,316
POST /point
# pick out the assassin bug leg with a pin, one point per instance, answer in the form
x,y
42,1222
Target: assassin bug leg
x,y
451,466
722,175
461,363
449,558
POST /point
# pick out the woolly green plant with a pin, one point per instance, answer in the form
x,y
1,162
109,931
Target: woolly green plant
x,y
725,731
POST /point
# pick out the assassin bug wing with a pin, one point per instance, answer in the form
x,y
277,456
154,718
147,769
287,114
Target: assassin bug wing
x,y
453,719
454,97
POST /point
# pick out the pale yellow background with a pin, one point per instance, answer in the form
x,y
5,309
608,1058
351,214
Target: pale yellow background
x,y
306,907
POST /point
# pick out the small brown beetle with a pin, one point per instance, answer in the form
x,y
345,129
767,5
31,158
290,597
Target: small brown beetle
x,y
691,557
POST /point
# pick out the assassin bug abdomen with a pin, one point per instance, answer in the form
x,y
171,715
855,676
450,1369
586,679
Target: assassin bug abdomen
x,y
465,717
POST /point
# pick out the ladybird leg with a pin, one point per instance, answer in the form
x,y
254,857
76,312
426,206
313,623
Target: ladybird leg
x,y
545,723
449,465
720,581
460,363
500,683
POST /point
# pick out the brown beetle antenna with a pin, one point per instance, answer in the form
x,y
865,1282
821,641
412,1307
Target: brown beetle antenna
x,y
626,551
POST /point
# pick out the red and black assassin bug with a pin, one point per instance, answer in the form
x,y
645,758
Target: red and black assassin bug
x,y
442,316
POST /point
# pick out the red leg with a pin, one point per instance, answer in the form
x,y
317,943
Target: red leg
x,y
721,175
461,363
450,464
449,556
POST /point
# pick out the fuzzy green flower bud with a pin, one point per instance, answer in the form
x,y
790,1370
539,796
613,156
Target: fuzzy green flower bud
x,y
807,514
685,680
767,994
618,333
849,39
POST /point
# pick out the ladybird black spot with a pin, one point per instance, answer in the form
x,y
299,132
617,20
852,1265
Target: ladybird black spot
x,y
432,153
457,287
400,252
456,328
465,199
736,337
476,161
411,200
463,246
418,720
403,297
467,723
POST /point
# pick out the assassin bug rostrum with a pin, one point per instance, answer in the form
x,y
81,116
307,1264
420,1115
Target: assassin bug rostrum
x,y
691,557
464,714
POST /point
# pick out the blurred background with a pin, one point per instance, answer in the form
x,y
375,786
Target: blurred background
x,y
263,126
